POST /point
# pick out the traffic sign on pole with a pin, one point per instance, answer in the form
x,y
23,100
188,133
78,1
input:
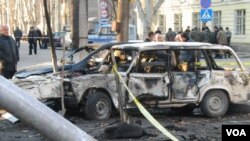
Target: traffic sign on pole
x,y
206,15
205,3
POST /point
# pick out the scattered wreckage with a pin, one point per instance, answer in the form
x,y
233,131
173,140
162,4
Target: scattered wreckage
x,y
160,75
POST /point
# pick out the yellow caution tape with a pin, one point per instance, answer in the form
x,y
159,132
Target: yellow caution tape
x,y
223,63
146,114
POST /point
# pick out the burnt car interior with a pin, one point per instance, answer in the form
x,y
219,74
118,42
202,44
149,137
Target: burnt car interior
x,y
189,60
123,59
223,60
155,61
160,61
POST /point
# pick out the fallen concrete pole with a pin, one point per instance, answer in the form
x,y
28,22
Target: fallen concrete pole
x,y
36,114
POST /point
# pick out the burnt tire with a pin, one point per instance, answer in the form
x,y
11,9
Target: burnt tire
x,y
214,104
98,106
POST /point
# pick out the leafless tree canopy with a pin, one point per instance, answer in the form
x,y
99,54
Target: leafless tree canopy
x,y
26,13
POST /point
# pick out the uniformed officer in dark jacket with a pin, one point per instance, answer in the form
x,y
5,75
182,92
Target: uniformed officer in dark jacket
x,y
9,54
32,38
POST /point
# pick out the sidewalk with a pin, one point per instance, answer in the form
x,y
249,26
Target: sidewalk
x,y
43,55
238,47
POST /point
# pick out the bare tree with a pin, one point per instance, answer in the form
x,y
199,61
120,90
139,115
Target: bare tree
x,y
83,22
75,23
26,13
147,15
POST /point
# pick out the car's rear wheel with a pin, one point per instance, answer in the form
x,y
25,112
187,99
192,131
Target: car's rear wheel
x,y
98,106
214,104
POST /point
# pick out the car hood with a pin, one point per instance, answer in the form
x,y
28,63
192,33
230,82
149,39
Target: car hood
x,y
39,69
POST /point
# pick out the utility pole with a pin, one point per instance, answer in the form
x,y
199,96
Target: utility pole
x,y
123,20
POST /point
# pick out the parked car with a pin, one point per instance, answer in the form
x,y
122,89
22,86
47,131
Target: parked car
x,y
160,75
59,37
105,34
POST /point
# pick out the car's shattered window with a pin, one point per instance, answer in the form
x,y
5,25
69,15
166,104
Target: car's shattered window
x,y
96,59
189,60
153,61
124,58
223,60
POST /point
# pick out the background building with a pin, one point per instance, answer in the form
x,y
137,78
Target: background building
x,y
178,14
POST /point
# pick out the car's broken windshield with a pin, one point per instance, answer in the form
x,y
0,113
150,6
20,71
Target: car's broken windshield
x,y
77,55
223,60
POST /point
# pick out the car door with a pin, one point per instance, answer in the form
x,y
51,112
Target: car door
x,y
149,78
190,73
229,74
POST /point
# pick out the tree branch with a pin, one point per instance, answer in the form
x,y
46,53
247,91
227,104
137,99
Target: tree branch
x,y
157,6
139,6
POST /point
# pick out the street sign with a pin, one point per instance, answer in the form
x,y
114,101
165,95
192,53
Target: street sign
x,y
205,3
206,15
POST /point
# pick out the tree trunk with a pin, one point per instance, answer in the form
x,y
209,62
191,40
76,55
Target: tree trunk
x,y
123,19
75,23
83,22
146,17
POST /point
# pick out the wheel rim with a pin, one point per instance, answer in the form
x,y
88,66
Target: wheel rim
x,y
215,103
102,108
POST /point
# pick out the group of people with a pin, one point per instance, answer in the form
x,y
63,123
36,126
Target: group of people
x,y
218,36
9,47
34,36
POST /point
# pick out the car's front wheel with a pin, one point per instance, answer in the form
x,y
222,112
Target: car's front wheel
x,y
214,104
98,106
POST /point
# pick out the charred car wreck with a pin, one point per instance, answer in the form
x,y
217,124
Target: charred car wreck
x,y
160,75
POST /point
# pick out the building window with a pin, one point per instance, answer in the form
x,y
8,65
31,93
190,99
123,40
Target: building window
x,y
162,23
217,18
196,20
240,22
178,23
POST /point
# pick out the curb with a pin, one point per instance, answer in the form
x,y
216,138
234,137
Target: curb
x,y
240,47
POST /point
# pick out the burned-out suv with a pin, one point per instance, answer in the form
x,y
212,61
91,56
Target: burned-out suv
x,y
161,75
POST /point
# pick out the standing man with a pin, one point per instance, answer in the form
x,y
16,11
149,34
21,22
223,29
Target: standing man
x,y
9,54
170,36
222,40
150,37
158,37
222,37
229,35
158,31
18,35
214,38
32,36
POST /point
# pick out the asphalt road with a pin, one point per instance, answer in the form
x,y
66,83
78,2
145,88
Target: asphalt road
x,y
43,55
